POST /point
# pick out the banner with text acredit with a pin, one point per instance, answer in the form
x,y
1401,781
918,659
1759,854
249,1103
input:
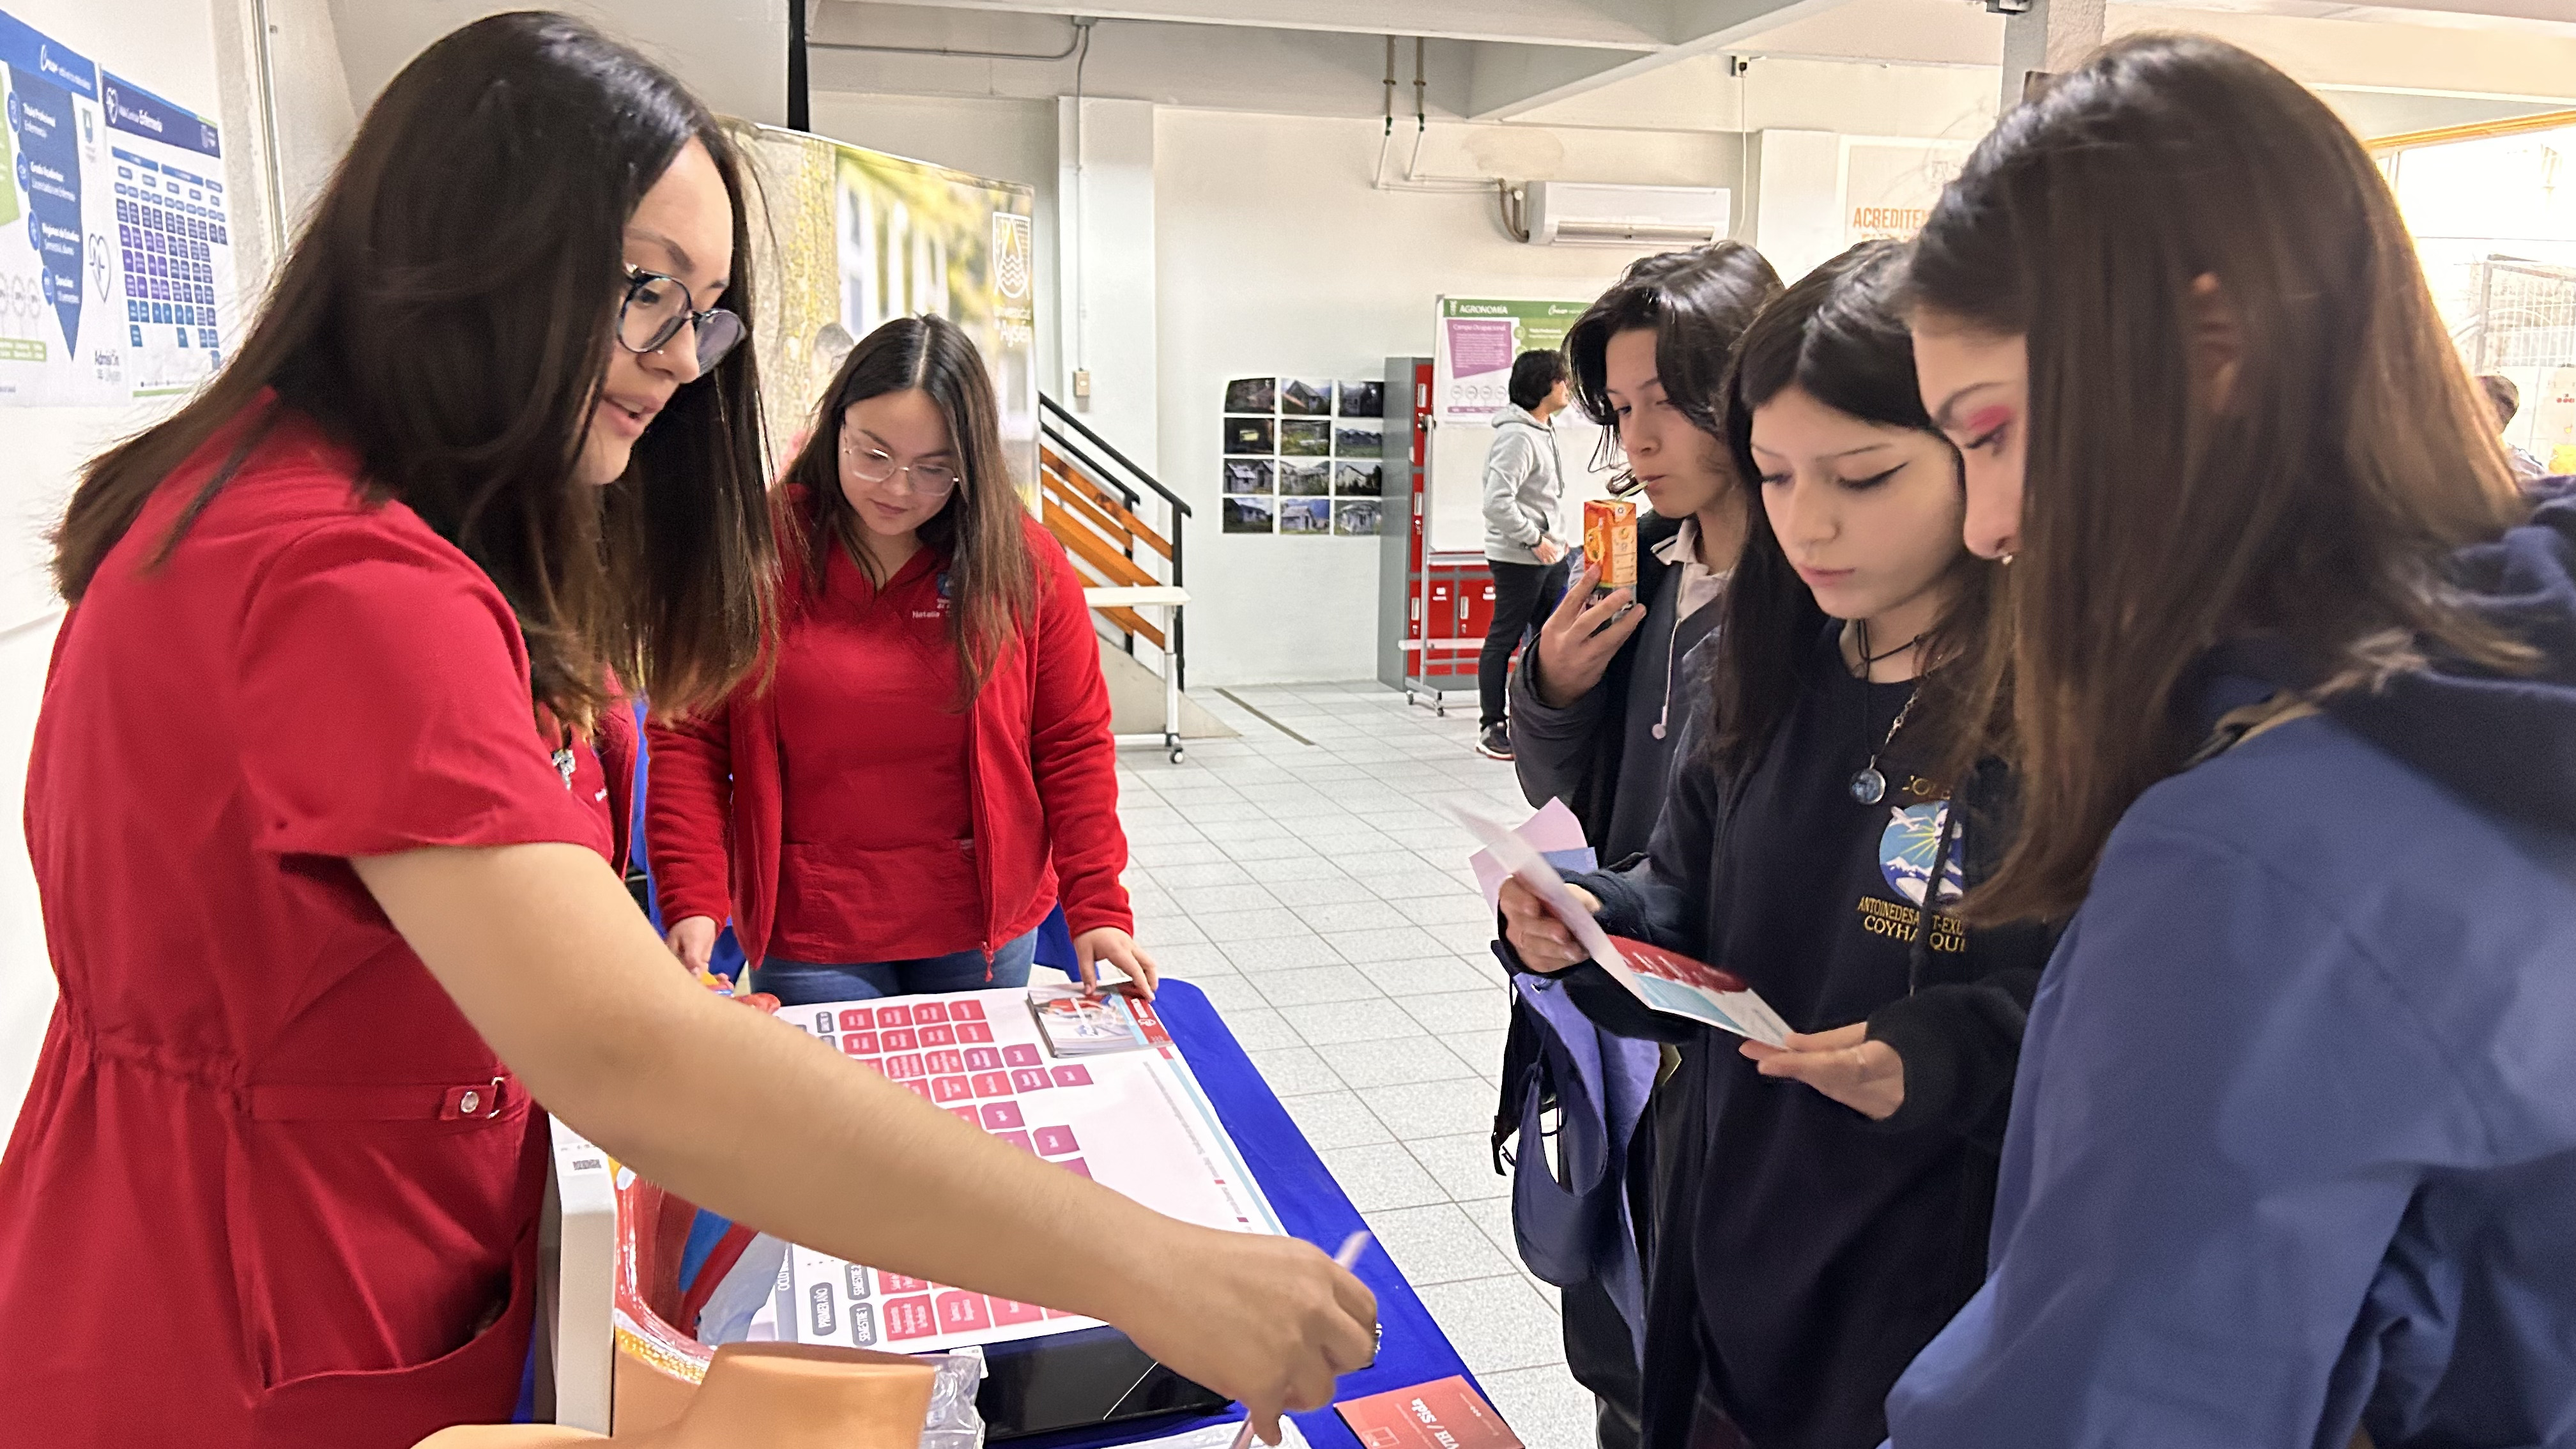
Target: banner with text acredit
x,y
856,237
116,258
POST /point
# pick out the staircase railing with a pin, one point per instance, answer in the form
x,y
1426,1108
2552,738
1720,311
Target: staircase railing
x,y
1106,514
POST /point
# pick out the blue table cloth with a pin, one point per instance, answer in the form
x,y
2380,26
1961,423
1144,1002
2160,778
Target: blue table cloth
x,y
1312,1206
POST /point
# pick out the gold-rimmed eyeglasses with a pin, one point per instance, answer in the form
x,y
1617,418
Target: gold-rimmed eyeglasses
x,y
872,464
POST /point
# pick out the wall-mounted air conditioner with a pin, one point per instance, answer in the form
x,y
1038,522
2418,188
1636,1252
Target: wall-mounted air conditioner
x,y
1583,213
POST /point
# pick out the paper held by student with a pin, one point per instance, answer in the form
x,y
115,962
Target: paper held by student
x,y
1664,980
1554,833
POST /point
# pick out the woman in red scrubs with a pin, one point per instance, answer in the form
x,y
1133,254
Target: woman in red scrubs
x,y
328,918
896,806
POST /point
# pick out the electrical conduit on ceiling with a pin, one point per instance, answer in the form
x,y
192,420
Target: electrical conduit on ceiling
x,y
1413,180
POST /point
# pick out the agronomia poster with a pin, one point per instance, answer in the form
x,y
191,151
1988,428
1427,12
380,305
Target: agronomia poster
x,y
852,238
1475,341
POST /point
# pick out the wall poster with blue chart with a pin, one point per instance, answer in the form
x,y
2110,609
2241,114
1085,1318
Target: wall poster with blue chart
x,y
116,258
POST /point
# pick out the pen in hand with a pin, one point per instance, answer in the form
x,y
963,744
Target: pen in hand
x,y
1349,1256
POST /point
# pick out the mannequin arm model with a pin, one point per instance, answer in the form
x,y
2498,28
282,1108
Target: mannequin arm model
x,y
542,949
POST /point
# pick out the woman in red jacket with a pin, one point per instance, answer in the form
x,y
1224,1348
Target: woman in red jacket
x,y
926,767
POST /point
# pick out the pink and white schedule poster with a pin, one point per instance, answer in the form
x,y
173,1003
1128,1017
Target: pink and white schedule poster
x,y
1134,1121
1473,346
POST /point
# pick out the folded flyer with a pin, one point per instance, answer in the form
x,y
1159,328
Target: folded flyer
x,y
1554,833
1444,1414
1664,980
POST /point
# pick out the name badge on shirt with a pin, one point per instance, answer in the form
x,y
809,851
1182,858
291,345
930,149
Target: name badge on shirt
x,y
941,612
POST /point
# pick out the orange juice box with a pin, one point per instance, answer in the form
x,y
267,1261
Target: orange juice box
x,y
1610,541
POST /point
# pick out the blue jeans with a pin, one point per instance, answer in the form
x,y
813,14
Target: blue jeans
x,y
800,983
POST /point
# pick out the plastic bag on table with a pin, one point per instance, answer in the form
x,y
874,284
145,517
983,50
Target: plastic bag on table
x,y
953,1422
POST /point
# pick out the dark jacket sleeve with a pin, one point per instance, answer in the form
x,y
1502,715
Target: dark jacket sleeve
x,y
1555,750
1961,1043
1662,899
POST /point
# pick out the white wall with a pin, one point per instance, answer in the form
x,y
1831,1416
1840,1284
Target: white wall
x,y
1793,206
1107,179
1275,256
733,53
194,52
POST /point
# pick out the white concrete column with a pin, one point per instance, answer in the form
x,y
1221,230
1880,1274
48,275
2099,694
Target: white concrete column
x,y
1105,318
286,118
2050,37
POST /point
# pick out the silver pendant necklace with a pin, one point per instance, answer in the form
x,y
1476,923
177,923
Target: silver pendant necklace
x,y
1868,786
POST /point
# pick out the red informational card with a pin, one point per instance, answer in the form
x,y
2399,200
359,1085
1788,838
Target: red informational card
x,y
1445,1414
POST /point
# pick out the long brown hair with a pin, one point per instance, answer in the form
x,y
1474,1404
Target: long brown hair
x,y
2316,505
1839,336
448,314
992,576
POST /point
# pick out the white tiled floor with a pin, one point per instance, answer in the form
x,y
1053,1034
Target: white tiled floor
x,y
1321,899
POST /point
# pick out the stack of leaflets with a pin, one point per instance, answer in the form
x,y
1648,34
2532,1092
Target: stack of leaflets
x,y
1077,1024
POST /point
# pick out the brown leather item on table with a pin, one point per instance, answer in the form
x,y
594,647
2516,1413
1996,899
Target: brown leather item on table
x,y
777,1395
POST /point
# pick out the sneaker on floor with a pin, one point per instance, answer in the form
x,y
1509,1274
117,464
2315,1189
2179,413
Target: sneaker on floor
x,y
1496,742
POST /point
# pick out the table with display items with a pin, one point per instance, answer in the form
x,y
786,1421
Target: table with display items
x,y
1293,1193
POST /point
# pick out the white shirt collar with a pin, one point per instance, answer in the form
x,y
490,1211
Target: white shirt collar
x,y
1700,584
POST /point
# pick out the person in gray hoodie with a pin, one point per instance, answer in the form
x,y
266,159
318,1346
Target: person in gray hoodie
x,y
1524,487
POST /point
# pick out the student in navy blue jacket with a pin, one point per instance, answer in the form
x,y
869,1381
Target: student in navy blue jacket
x,y
2292,1154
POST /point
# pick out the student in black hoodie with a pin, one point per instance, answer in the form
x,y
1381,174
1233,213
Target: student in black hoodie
x,y
1592,699
1593,721
1831,802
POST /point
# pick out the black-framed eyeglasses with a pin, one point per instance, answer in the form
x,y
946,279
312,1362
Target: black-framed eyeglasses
x,y
656,306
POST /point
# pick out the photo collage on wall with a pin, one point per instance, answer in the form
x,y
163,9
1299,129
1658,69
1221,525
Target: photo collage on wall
x,y
1304,458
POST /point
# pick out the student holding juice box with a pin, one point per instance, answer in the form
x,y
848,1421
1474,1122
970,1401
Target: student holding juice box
x,y
1592,701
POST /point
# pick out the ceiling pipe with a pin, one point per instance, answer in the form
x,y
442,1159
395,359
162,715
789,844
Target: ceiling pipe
x,y
1080,25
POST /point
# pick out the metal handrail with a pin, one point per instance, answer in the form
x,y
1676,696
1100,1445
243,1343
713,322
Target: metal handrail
x,y
1177,650
1104,445
1091,466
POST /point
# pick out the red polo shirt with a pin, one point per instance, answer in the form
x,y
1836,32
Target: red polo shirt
x,y
269,1186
